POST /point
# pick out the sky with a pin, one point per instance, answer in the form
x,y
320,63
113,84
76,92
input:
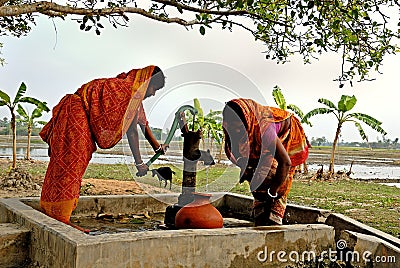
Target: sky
x,y
214,68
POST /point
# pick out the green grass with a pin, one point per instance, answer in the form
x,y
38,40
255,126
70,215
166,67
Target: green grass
x,y
373,204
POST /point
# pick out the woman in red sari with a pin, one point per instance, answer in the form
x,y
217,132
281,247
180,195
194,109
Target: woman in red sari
x,y
99,113
267,144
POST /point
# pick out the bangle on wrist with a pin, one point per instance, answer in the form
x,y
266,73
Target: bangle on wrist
x,y
270,195
158,149
140,164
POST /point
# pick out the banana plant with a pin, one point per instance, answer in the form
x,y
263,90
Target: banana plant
x,y
281,102
5,100
210,124
30,122
342,114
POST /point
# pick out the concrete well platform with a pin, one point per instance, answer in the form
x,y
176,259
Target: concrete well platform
x,y
301,243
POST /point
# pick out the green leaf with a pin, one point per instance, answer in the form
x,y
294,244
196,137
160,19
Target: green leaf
x,y
361,131
327,103
316,111
21,111
202,30
364,117
4,97
179,9
310,4
36,113
38,103
370,121
296,110
197,106
299,113
347,103
279,98
21,91
41,122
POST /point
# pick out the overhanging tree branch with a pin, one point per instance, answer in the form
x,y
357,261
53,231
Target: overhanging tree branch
x,y
363,31
54,9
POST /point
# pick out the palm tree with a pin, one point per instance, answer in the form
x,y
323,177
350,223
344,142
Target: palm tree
x,y
281,102
345,104
30,122
5,100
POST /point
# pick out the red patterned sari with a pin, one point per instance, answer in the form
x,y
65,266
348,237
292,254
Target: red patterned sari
x,y
260,122
100,112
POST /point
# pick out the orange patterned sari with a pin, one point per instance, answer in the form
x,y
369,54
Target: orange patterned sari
x,y
260,120
100,112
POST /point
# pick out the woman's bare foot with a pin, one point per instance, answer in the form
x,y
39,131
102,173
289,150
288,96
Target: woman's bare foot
x,y
86,231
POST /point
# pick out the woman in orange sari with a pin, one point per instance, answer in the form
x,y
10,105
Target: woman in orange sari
x,y
267,144
99,113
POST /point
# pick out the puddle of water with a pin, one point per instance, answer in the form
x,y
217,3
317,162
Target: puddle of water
x,y
121,223
365,172
392,184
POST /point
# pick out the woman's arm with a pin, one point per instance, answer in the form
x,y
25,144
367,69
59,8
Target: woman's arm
x,y
148,134
283,168
133,140
276,151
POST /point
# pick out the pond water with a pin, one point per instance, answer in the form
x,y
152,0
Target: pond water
x,y
98,158
359,170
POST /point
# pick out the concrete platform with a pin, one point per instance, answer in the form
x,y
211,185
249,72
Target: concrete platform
x,y
14,243
303,242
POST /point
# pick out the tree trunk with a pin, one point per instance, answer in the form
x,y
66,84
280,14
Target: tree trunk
x,y
14,139
332,161
28,147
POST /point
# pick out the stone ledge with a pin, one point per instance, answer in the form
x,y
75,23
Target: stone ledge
x,y
14,243
341,223
365,251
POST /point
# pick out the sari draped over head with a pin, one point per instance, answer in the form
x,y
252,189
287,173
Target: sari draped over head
x,y
260,122
100,112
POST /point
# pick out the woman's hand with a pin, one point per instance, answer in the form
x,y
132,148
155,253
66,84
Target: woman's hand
x,y
162,148
142,169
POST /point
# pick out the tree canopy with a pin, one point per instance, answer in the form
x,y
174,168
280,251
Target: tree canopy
x,y
362,32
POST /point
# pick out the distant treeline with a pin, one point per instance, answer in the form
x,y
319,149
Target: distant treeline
x,y
379,144
22,130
